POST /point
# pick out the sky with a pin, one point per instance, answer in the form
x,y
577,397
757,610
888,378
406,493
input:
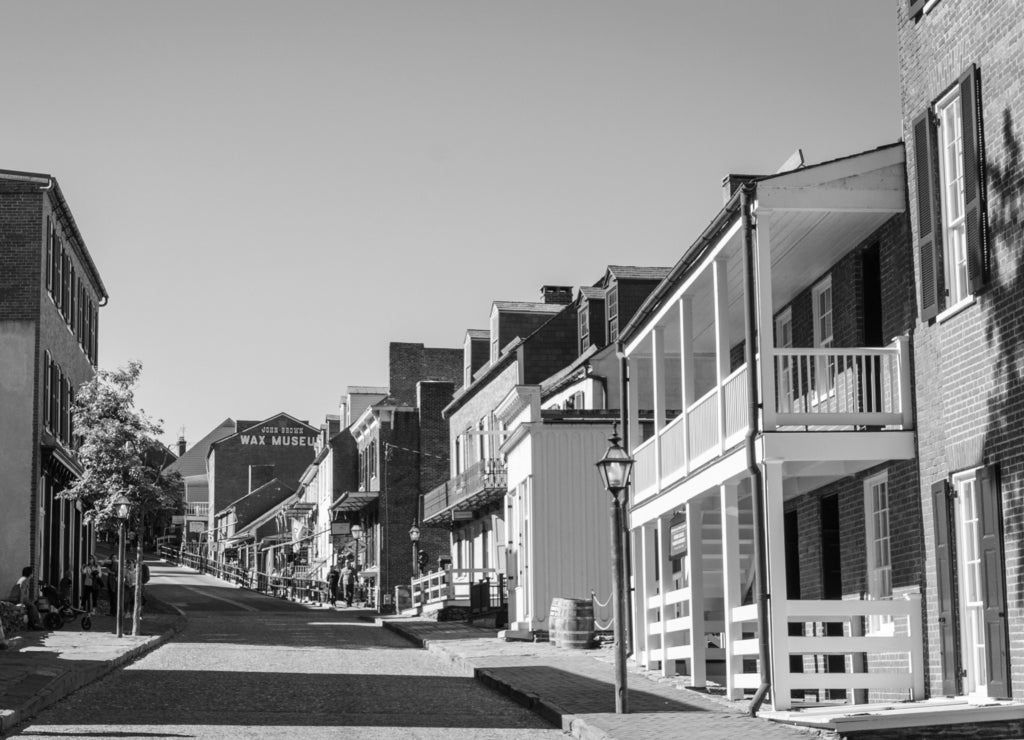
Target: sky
x,y
274,191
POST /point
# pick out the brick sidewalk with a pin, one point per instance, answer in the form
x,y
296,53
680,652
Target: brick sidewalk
x,y
41,668
574,689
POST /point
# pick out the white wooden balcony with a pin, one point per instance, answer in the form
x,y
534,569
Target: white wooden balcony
x,y
856,389
454,587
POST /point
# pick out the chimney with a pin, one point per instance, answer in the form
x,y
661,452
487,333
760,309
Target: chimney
x,y
181,443
558,294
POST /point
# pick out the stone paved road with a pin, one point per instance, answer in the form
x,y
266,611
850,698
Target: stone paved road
x,y
255,667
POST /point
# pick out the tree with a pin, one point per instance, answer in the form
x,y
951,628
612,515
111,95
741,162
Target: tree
x,y
121,455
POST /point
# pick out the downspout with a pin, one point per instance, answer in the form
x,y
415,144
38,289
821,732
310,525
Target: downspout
x,y
627,551
747,191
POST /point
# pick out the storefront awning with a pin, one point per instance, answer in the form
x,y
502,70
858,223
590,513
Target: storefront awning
x,y
355,500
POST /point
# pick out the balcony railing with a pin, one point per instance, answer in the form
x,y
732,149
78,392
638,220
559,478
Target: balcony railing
x,y
478,484
197,508
816,389
478,588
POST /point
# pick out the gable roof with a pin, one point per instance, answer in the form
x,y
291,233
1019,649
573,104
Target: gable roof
x,y
527,307
592,294
253,425
193,462
638,272
259,502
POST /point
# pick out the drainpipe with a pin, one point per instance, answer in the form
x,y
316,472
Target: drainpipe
x,y
627,551
747,191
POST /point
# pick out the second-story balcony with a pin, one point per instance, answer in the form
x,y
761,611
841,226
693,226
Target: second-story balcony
x,y
197,509
480,484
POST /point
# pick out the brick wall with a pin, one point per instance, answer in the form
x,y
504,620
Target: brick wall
x,y
409,363
434,462
969,397
551,348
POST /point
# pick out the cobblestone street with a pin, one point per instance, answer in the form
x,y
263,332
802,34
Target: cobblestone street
x,y
249,666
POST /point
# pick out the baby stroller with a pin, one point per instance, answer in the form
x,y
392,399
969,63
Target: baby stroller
x,y
56,611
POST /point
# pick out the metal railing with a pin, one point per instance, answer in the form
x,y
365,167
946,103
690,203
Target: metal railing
x,y
454,587
486,475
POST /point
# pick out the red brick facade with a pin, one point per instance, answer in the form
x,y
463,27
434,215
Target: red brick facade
x,y
969,395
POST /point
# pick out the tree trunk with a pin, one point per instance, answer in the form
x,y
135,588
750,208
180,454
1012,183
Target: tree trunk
x,y
137,606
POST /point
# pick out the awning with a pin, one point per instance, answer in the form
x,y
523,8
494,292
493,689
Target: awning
x,y
355,500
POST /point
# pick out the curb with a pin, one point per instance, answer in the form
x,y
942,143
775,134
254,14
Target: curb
x,y
544,708
72,681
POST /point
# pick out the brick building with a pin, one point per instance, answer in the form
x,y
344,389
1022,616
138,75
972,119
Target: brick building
x,y
278,447
402,443
962,91
50,296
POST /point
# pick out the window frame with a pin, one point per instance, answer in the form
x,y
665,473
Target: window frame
x,y
878,624
949,134
583,322
825,365
611,306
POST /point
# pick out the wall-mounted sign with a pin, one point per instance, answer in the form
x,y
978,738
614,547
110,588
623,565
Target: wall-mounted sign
x,y
272,436
341,528
677,539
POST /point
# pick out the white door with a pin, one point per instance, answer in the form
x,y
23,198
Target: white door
x,y
972,603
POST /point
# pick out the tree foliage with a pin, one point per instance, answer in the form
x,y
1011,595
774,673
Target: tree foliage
x,y
122,456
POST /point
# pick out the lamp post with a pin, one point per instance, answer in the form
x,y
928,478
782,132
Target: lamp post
x,y
122,509
615,468
414,537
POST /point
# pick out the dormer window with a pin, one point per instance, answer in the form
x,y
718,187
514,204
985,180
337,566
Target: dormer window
x,y
584,320
613,313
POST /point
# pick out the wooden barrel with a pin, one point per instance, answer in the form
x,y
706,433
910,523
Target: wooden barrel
x,y
571,623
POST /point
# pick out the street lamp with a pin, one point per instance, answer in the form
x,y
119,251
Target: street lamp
x,y
122,510
615,468
414,537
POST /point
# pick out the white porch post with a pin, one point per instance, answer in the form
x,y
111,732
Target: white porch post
x,y
765,321
686,370
639,599
695,580
778,630
722,359
658,384
648,587
668,665
729,500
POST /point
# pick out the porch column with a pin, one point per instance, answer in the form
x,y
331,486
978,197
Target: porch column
x,y
647,589
695,580
722,359
765,320
658,386
633,396
668,665
778,630
639,599
687,374
729,501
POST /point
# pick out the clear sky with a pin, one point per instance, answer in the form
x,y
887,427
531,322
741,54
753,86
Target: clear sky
x,y
273,191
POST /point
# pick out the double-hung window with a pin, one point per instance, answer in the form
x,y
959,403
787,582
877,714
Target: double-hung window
x,y
825,367
612,307
876,511
584,321
951,237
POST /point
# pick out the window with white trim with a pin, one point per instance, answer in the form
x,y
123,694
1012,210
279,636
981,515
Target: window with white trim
x,y
949,120
784,339
821,298
612,307
877,537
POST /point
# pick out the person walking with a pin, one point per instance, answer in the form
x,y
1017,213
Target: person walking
x,y
332,584
348,580
91,584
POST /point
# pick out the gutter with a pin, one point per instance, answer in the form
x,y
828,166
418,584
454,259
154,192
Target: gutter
x,y
747,192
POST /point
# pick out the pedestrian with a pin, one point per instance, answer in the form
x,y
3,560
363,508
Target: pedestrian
x,y
3,638
111,577
91,584
332,584
348,580
130,571
21,593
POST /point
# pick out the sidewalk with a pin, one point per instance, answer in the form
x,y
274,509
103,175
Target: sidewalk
x,y
41,668
574,689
